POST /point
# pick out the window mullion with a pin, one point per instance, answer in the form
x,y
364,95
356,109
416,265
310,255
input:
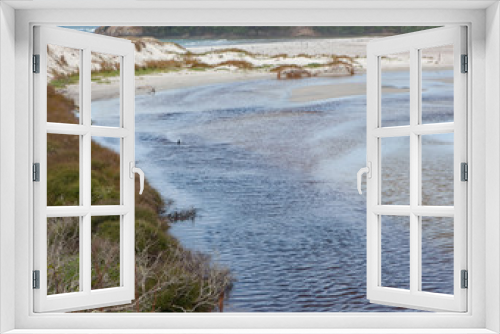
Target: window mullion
x,y
86,168
81,232
414,172
85,114
419,125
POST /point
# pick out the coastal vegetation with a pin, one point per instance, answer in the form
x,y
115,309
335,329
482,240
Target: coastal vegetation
x,y
153,56
169,278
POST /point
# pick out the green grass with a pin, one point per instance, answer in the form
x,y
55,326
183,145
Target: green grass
x,y
102,77
314,65
63,81
149,70
105,74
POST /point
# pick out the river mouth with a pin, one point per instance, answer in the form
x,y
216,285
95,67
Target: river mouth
x,y
274,181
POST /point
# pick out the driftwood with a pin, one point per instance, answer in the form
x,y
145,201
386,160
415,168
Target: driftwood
x,y
293,73
148,89
339,68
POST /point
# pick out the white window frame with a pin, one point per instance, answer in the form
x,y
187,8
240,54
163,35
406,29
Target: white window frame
x,y
414,43
484,147
85,298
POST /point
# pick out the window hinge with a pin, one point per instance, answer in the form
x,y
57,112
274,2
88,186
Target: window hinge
x,y
465,279
465,64
36,279
464,171
36,63
36,172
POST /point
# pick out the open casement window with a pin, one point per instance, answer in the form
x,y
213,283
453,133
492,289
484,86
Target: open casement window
x,y
81,235
416,199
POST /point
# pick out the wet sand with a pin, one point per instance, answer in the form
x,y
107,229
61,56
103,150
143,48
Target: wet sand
x,y
167,81
323,92
164,81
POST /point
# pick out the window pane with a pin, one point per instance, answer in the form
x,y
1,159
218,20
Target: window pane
x,y
105,89
437,169
105,252
437,84
437,254
395,89
63,255
395,170
395,252
105,171
63,170
63,76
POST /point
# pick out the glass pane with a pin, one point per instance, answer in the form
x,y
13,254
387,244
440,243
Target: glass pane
x,y
437,169
395,89
395,166
105,252
437,84
437,254
63,77
63,170
105,186
105,88
395,252
63,255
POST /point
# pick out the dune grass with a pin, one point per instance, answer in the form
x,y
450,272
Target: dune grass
x,y
190,61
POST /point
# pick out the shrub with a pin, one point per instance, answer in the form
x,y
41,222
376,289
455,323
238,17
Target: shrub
x,y
236,63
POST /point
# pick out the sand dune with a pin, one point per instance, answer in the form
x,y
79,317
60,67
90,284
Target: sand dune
x,y
314,52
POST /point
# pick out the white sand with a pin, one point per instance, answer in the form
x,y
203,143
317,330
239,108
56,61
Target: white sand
x,y
353,47
165,81
317,49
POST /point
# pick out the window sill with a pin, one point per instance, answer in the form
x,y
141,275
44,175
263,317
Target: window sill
x,y
251,331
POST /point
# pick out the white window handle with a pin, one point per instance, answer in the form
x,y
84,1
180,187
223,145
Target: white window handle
x,y
139,171
368,171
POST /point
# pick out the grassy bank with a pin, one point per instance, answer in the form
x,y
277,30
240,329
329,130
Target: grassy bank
x,y
169,278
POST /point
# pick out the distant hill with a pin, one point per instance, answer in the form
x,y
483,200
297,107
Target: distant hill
x,y
252,32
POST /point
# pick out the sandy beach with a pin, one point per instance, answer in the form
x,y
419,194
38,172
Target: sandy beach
x,y
308,54
184,79
164,81
353,47
167,81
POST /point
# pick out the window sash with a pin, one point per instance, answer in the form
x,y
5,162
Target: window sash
x,y
414,298
86,298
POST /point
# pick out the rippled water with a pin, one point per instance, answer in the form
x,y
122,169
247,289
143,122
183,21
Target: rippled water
x,y
274,183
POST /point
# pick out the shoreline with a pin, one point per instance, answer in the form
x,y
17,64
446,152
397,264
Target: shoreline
x,y
163,82
160,82
310,55
178,80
